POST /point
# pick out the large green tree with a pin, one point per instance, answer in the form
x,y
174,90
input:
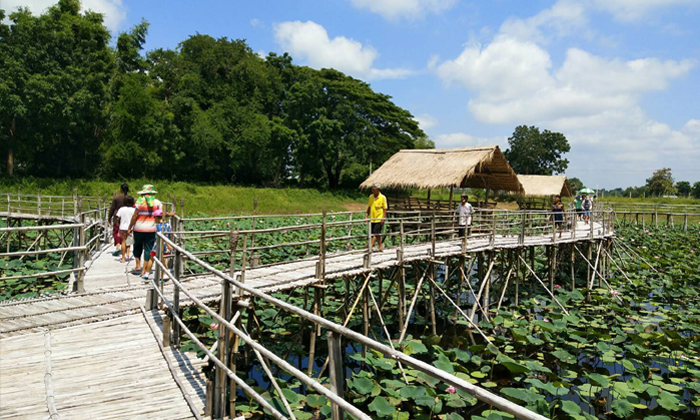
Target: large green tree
x,y
54,76
535,152
683,188
660,183
695,192
341,121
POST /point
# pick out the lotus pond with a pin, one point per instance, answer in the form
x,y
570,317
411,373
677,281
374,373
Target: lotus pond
x,y
631,352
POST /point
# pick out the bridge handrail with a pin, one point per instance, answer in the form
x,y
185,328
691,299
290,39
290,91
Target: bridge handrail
x,y
229,281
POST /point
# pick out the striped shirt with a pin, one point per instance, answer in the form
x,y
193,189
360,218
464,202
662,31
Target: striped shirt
x,y
146,222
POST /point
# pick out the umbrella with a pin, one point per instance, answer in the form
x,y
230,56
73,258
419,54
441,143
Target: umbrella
x,y
586,191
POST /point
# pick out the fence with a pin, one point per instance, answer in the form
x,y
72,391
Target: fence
x,y
222,390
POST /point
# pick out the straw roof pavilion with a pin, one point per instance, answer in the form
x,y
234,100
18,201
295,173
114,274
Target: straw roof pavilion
x,y
467,167
545,185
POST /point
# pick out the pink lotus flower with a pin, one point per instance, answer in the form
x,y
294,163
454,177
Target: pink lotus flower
x,y
614,292
451,389
228,224
214,326
546,320
692,251
556,286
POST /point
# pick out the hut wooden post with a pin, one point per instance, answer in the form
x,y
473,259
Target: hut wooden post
x,y
451,195
336,373
429,196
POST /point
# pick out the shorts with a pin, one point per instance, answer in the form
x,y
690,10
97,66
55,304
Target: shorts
x,y
116,234
144,242
123,234
586,213
558,223
377,228
463,229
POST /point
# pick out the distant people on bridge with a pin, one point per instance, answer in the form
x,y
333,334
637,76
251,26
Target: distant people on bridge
x,y
124,216
117,203
465,213
578,204
558,213
587,205
376,211
143,226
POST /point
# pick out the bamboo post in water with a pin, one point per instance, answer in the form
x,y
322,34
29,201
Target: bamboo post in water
x,y
177,268
337,382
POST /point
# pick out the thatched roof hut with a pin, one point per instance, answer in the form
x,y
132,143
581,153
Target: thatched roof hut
x,y
467,167
545,185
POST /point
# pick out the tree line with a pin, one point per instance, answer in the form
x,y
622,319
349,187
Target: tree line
x,y
210,110
660,184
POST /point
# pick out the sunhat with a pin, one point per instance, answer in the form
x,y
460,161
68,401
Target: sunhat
x,y
148,189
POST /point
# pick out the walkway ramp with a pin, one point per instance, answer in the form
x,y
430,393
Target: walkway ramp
x,y
111,369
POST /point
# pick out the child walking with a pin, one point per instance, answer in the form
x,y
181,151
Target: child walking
x,y
124,215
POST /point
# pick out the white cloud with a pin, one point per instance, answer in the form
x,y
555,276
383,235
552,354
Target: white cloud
x,y
257,23
113,10
426,121
310,41
410,9
594,100
627,10
563,18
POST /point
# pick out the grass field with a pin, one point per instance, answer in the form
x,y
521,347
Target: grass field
x,y
205,199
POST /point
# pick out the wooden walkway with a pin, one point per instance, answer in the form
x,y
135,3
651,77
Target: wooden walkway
x,y
50,347
111,369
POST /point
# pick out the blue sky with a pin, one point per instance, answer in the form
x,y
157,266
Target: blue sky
x,y
619,78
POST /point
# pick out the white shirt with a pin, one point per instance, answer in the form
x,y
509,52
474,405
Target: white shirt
x,y
124,214
465,213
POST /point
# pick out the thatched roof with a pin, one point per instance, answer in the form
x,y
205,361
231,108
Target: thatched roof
x,y
467,167
545,185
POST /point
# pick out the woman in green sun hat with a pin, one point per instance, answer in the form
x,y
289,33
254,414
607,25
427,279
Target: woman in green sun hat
x,y
143,227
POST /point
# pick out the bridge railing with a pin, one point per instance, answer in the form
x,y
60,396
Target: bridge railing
x,y
221,392
271,240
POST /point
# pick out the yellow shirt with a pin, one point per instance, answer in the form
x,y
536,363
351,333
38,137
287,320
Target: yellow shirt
x,y
376,207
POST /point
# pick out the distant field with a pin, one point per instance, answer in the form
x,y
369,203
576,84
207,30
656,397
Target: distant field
x,y
206,199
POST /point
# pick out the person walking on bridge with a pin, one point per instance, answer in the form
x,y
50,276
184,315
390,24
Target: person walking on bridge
x,y
376,211
117,203
558,213
465,211
143,227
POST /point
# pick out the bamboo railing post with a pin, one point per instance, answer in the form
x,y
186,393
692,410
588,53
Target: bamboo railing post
x,y
223,342
322,251
521,238
244,257
38,202
432,235
348,245
158,277
336,372
80,276
177,268
492,239
685,221
308,236
367,263
166,329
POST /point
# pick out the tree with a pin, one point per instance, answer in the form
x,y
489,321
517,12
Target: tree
x,y
661,183
696,190
532,152
54,73
683,188
575,184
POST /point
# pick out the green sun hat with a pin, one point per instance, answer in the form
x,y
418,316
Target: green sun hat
x,y
148,189
586,191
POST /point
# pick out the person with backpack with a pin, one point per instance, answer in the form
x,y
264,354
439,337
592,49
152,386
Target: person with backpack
x,y
143,226
587,205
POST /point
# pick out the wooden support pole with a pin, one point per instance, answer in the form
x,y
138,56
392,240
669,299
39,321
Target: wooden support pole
x,y
365,318
573,268
337,381
487,289
177,268
431,276
314,331
518,276
552,266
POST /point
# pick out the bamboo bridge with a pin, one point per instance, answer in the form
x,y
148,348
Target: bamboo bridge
x,y
109,347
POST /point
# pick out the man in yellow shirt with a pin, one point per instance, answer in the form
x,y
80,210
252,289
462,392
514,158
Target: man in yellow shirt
x,y
376,211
